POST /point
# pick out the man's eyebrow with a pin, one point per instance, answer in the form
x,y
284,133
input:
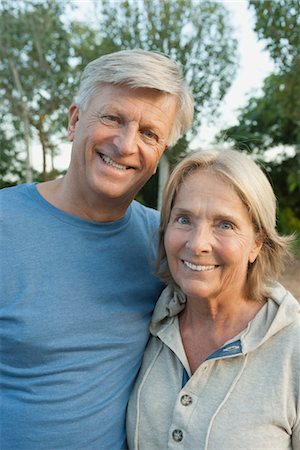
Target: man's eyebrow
x,y
108,108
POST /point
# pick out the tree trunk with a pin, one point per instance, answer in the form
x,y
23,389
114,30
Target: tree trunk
x,y
163,175
28,166
26,122
43,141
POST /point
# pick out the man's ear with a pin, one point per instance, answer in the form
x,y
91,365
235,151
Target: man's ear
x,y
155,169
73,119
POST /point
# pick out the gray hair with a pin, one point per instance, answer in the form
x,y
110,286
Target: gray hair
x,y
255,191
140,69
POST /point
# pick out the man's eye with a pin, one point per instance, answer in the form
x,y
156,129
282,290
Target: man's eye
x,y
110,119
150,135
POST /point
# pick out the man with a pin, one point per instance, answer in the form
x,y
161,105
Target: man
x,y
77,287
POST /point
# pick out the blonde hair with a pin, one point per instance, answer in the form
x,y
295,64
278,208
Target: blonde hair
x,y
140,69
255,191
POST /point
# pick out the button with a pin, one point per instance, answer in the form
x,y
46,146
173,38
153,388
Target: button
x,y
186,400
177,435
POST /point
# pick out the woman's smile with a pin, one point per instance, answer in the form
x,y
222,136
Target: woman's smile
x,y
198,267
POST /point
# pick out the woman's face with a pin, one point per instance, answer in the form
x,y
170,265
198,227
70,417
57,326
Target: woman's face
x,y
209,239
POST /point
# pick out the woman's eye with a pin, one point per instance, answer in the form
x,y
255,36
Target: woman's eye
x,y
183,220
226,226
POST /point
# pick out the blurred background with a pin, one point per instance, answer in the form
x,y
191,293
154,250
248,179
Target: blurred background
x,y
240,58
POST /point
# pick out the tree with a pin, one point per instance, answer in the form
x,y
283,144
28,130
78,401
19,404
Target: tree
x,y
35,74
11,167
196,34
272,119
277,23
286,184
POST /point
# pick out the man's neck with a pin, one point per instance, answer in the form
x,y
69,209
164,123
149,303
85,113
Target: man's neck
x,y
59,194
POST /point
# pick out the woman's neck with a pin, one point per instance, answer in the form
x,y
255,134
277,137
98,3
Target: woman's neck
x,y
205,326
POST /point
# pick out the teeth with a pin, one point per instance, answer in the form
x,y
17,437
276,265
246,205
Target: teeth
x,y
110,162
196,267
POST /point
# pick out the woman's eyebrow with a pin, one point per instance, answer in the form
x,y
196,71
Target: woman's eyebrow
x,y
178,210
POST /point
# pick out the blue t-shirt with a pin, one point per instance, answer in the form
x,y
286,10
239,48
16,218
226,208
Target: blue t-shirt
x,y
76,302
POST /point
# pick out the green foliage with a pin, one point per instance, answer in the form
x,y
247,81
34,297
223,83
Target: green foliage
x,y
287,191
35,74
11,166
288,223
277,22
272,119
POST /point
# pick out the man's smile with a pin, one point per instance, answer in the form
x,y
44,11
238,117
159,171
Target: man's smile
x,y
110,162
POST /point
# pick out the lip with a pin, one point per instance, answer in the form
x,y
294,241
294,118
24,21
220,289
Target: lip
x,y
112,163
199,267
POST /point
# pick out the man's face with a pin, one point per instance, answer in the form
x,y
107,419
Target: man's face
x,y
118,141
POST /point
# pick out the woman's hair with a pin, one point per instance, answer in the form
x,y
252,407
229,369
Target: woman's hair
x,y
140,69
255,191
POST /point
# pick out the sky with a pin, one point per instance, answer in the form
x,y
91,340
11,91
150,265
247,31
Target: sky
x,y
255,65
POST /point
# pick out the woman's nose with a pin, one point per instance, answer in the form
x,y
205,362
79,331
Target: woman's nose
x,y
199,240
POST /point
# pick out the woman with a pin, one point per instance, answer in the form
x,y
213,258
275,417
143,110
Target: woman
x,y
221,370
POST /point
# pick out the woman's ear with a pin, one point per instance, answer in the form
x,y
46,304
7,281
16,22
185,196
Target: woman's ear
x,y
257,245
73,119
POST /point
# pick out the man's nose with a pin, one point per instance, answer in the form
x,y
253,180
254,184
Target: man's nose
x,y
200,240
126,140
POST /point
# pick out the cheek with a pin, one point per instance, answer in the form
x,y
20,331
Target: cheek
x,y
160,151
99,132
167,244
171,241
234,251
174,246
151,158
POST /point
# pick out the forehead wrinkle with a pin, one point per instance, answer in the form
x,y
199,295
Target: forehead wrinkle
x,y
179,210
219,206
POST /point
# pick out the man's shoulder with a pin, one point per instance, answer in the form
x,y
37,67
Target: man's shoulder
x,y
144,210
15,197
145,214
15,191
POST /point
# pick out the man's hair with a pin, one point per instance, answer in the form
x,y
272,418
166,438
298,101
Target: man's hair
x,y
140,69
255,191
